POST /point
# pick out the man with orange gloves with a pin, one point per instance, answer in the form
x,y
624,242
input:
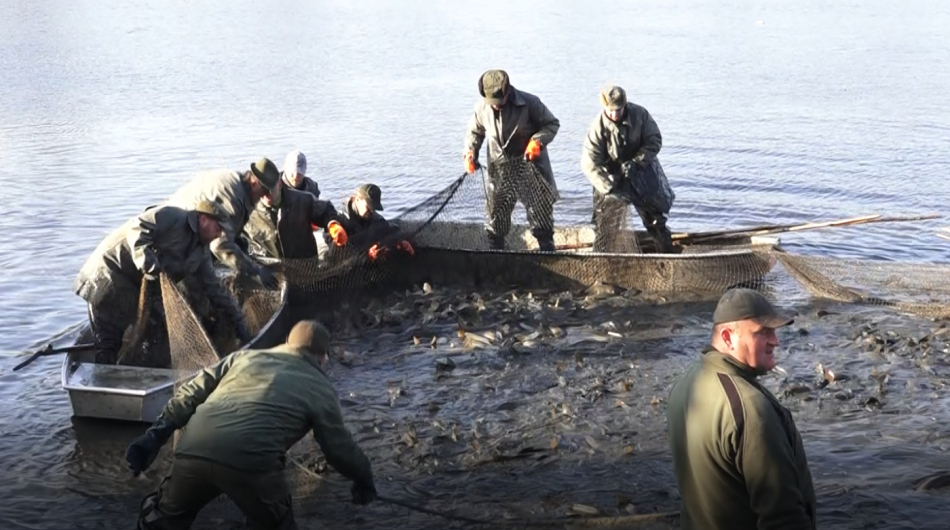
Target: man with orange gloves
x,y
367,228
282,224
518,126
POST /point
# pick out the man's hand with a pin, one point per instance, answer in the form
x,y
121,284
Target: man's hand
x,y
376,251
143,450
641,160
363,493
152,267
406,247
469,161
267,277
337,233
533,151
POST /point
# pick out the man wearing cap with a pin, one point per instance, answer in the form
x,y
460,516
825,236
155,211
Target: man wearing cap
x,y
623,133
283,222
366,227
295,176
162,239
237,193
242,415
738,458
518,126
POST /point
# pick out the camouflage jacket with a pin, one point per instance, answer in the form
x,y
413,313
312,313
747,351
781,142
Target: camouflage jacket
x,y
247,410
738,458
287,231
608,145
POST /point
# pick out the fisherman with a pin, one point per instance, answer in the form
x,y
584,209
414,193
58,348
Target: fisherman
x,y
242,415
295,174
367,227
623,133
738,458
282,224
517,125
163,239
237,193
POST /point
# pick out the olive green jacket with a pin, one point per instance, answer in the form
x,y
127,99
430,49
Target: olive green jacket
x,y
739,460
247,410
510,129
608,145
162,237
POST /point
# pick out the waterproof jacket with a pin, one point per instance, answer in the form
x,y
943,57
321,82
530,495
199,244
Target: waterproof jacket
x,y
307,184
247,410
738,458
287,231
364,232
162,236
509,130
228,189
608,145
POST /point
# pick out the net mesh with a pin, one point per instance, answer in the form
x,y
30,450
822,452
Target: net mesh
x,y
452,235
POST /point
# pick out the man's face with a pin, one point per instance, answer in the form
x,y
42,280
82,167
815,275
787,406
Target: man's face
x,y
362,207
208,229
754,345
270,198
613,114
503,103
294,179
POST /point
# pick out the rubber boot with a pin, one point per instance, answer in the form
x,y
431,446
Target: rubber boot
x,y
664,239
545,242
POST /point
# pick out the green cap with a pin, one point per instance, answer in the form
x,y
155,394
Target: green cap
x,y
310,335
266,172
613,97
748,304
211,209
371,193
493,86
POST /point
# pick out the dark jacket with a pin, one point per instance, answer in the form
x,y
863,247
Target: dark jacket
x,y
738,458
162,236
287,231
365,232
510,129
228,189
247,410
307,184
608,145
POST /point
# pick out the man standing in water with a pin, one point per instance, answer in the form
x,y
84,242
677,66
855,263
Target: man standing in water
x,y
517,126
242,415
738,458
624,133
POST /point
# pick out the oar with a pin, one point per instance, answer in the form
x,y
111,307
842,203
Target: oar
x,y
50,350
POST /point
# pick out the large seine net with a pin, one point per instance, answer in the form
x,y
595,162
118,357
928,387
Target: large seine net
x,y
448,231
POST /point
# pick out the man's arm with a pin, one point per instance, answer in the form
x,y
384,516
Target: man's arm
x,y
767,462
322,212
547,124
221,301
141,239
650,139
182,406
475,134
337,444
594,159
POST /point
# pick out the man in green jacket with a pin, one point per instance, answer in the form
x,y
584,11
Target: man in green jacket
x,y
367,228
738,458
242,415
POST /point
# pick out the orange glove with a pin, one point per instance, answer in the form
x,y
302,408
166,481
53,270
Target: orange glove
x,y
376,251
470,162
406,247
533,150
337,233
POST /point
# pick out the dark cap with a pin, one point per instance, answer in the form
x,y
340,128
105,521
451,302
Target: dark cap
x,y
310,335
266,172
748,304
211,209
613,97
371,193
493,86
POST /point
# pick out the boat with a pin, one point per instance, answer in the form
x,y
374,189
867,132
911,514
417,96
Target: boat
x,y
137,393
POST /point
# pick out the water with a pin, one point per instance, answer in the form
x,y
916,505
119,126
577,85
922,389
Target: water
x,y
770,112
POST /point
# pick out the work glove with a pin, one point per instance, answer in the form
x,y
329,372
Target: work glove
x,y
267,278
641,160
406,247
337,233
143,450
533,151
376,251
470,164
363,493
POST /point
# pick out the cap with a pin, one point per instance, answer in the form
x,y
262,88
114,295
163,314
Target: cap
x,y
748,304
295,162
493,86
372,193
613,97
310,335
211,209
266,172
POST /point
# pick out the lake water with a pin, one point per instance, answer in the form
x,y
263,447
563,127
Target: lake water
x,y
784,111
